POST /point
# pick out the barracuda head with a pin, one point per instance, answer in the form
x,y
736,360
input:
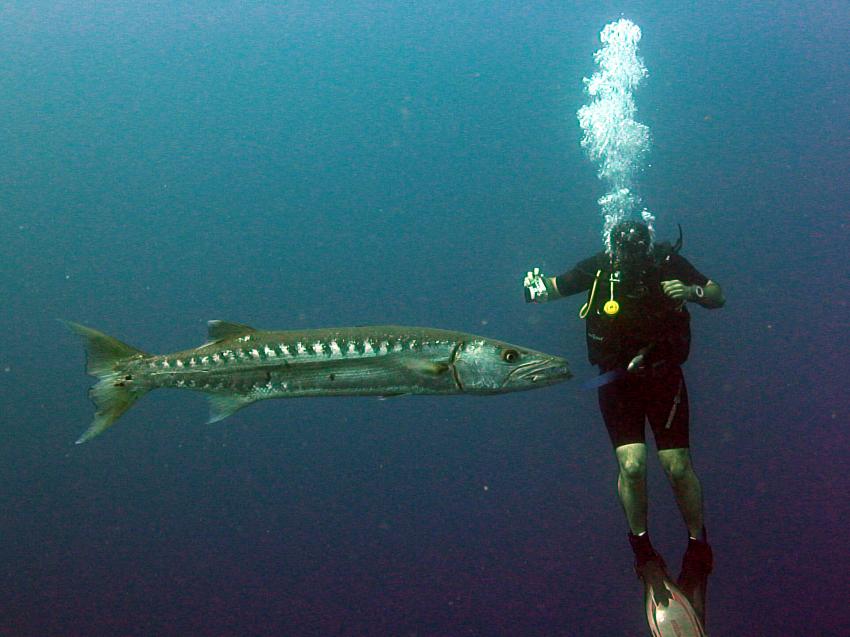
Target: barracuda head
x,y
484,366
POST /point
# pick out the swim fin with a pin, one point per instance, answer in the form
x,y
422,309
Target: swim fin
x,y
668,611
693,578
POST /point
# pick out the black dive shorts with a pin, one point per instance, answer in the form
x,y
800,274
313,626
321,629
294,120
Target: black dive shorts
x,y
662,398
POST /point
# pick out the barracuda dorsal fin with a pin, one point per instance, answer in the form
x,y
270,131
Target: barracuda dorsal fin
x,y
222,330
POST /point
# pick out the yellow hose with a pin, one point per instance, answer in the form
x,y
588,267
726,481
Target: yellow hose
x,y
582,313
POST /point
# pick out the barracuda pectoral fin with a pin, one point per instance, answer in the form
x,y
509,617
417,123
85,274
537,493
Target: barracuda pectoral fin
x,y
419,367
426,367
224,405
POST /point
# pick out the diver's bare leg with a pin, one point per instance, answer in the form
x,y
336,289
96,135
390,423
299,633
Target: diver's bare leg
x,y
631,484
686,486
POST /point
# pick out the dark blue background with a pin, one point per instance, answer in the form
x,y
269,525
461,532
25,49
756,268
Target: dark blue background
x,y
305,164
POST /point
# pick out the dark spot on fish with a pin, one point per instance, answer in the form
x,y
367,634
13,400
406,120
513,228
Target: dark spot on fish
x,y
123,382
332,376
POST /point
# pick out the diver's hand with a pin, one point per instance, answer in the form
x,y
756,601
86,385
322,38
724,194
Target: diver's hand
x,y
636,364
678,291
538,287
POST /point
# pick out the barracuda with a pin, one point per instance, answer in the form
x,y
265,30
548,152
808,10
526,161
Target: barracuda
x,y
241,365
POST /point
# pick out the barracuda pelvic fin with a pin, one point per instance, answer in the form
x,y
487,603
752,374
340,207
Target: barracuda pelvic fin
x,y
222,406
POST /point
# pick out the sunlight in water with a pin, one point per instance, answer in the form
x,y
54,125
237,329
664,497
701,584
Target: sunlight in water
x,y
612,138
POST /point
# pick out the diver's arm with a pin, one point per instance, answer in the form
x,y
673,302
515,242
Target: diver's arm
x,y
709,296
540,288
552,286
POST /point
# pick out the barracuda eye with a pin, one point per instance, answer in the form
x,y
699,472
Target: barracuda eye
x,y
510,356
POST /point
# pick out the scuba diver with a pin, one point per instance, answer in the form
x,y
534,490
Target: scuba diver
x,y
638,334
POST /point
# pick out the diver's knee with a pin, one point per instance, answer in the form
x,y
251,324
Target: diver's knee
x,y
632,469
631,459
676,466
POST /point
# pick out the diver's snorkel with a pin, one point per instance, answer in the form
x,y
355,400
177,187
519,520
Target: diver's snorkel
x,y
678,245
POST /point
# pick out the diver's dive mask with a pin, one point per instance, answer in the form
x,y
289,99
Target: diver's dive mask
x,y
631,245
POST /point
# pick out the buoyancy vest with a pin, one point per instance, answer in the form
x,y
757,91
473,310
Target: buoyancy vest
x,y
645,316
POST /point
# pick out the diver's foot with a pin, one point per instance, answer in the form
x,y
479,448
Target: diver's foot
x,y
699,557
650,567
653,572
693,578
643,550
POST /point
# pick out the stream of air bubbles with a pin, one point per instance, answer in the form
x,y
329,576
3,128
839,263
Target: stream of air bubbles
x,y
614,141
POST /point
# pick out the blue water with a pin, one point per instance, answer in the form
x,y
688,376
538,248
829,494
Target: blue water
x,y
304,164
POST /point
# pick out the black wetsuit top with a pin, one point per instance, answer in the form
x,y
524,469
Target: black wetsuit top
x,y
646,315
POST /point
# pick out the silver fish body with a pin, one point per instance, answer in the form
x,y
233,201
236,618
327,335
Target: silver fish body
x,y
241,365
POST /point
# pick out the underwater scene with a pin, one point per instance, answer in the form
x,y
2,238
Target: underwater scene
x,y
469,318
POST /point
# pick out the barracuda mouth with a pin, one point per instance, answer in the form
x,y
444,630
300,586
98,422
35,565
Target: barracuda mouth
x,y
547,370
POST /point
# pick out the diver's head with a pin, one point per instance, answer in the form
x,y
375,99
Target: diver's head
x,y
631,244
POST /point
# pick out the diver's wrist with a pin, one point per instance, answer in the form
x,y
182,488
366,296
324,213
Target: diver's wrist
x,y
696,293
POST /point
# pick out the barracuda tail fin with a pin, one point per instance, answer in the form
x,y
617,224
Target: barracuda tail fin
x,y
115,392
